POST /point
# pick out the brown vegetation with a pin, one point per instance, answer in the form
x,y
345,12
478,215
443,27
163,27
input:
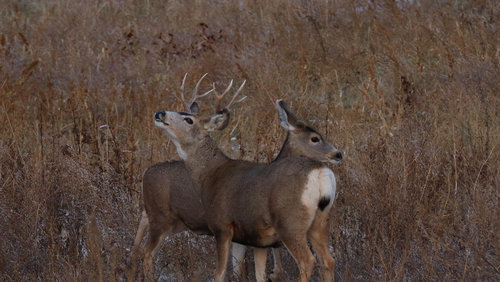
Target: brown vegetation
x,y
409,89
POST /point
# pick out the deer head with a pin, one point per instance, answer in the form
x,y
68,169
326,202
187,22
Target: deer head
x,y
188,129
303,140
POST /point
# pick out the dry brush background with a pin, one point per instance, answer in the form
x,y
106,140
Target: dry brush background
x,y
408,89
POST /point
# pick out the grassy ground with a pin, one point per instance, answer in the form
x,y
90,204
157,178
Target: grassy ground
x,y
408,89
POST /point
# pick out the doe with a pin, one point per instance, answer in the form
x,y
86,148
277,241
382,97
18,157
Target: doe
x,y
261,205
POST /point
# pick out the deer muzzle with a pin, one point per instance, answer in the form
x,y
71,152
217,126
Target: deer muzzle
x,y
160,117
335,157
338,156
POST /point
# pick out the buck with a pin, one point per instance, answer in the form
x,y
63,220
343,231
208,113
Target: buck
x,y
172,203
260,205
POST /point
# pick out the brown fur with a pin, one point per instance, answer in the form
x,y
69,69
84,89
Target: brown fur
x,y
173,203
250,203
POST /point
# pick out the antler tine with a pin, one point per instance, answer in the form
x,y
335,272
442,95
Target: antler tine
x,y
182,90
220,96
225,91
195,95
233,100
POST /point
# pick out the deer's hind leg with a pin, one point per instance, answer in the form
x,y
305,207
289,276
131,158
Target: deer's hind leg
x,y
143,224
297,246
238,256
260,256
157,232
156,235
318,236
278,267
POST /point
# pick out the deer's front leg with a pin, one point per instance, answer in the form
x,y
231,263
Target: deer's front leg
x,y
223,238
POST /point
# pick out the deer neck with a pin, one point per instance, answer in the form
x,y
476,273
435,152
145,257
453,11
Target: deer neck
x,y
203,160
286,149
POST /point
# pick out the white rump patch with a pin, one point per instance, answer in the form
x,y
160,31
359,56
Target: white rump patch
x,y
321,183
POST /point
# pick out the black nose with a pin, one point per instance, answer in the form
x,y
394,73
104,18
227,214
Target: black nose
x,y
159,115
338,156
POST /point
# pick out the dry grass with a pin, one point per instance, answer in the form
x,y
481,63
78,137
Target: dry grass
x,y
409,89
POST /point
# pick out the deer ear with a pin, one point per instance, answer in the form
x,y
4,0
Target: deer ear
x,y
218,121
287,119
194,108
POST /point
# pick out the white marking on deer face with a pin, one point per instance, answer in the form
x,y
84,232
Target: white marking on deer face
x,y
319,191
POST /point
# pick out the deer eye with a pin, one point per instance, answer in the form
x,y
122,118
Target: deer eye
x,y
188,120
315,139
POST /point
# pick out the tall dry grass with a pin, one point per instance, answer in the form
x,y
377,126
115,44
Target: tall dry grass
x,y
409,89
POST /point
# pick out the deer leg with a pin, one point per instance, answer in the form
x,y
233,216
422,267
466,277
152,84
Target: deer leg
x,y
238,256
318,236
260,256
300,251
156,235
278,268
223,239
143,224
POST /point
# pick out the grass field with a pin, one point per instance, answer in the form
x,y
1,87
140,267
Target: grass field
x,y
410,90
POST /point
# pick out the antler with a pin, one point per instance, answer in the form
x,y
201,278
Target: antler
x,y
195,95
233,100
